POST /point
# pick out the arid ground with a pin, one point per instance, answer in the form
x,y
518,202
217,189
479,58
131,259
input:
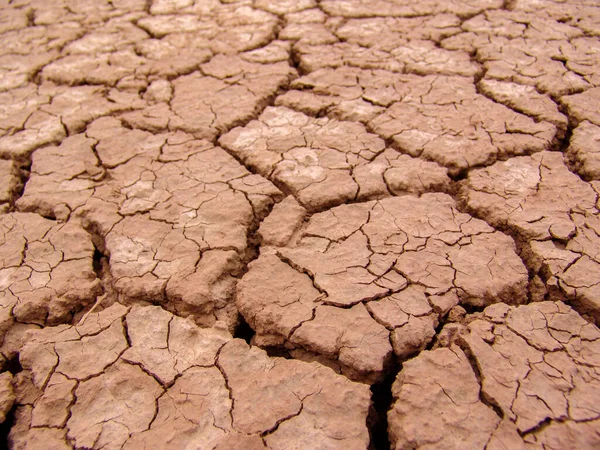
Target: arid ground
x,y
300,224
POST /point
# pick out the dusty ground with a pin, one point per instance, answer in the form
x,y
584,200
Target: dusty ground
x,y
300,224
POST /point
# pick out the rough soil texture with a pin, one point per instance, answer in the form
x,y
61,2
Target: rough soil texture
x,y
276,224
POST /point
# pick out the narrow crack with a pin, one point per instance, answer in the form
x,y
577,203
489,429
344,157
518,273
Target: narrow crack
x,y
483,397
6,426
381,402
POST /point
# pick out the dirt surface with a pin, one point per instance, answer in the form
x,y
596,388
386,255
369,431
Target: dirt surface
x,y
276,224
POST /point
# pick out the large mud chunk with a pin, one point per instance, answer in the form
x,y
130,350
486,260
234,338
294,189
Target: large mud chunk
x,y
406,8
452,124
437,404
46,270
359,275
554,214
316,405
419,56
437,118
325,162
10,183
582,107
171,213
539,363
527,366
583,153
549,53
158,380
7,396
229,90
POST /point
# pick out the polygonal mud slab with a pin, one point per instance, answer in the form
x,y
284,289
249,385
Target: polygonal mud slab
x,y
583,106
350,93
10,183
325,162
530,49
170,212
175,218
526,100
452,124
437,404
391,32
172,40
46,270
539,63
34,116
583,153
148,379
419,56
538,365
516,23
438,118
310,26
359,276
228,91
406,8
555,216
584,15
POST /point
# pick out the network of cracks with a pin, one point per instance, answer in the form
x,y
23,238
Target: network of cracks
x,y
277,224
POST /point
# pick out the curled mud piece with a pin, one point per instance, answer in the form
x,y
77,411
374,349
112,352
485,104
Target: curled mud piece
x,y
517,377
526,100
554,215
325,162
170,212
143,378
360,281
582,106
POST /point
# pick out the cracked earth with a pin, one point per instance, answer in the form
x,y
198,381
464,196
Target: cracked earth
x,y
313,224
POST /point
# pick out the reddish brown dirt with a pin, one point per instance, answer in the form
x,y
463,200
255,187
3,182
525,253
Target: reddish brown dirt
x,y
314,224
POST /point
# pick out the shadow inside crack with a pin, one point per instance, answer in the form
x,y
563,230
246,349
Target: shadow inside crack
x,y
381,401
244,331
14,367
6,426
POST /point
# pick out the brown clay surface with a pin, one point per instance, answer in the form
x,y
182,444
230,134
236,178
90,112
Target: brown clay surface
x,y
276,224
